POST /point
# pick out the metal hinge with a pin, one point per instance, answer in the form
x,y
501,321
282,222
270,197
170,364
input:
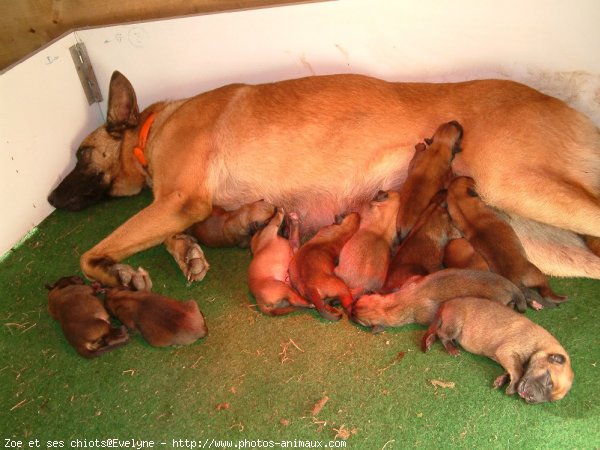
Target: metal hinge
x,y
86,73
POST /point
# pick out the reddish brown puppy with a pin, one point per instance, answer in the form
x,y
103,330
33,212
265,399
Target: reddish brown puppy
x,y
422,250
83,319
268,272
428,173
459,254
418,300
161,320
365,258
497,242
536,365
312,268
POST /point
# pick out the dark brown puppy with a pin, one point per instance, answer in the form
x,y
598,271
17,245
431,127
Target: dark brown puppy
x,y
538,367
459,254
312,268
418,300
428,173
232,228
84,321
365,258
268,278
422,250
162,321
497,242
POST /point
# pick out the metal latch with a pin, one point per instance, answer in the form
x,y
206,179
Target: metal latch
x,y
86,73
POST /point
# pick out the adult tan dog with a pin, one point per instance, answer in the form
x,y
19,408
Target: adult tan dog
x,y
536,365
324,145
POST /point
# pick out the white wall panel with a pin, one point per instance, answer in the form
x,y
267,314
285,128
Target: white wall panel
x,y
43,115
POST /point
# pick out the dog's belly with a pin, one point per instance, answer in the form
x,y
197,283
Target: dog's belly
x,y
317,187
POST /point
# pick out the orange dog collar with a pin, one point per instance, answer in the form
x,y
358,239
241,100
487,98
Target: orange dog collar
x,y
138,151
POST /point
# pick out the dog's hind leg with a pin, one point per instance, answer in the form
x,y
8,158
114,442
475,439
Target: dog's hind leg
x,y
163,218
555,251
553,201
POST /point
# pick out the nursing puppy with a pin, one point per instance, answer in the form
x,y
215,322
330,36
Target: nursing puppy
x,y
365,258
497,242
232,228
459,254
538,367
312,268
268,278
422,250
418,299
83,319
428,173
162,321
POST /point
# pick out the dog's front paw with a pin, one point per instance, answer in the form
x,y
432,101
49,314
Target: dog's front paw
x,y
196,263
135,279
188,256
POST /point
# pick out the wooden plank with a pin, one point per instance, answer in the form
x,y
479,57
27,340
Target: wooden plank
x,y
29,24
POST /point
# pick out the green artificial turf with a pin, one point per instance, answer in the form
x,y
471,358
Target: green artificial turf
x,y
264,378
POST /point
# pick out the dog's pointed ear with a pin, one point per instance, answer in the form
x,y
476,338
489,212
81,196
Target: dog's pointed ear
x,y
123,110
557,358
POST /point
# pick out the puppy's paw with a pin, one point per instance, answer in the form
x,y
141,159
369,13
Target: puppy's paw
x,y
501,380
138,280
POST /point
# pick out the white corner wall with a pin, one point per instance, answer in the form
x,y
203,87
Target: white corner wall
x,y
551,45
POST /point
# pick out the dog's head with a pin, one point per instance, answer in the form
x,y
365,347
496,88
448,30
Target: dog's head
x,y
99,337
548,377
64,282
98,172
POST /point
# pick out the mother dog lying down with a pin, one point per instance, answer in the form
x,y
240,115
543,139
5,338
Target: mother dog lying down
x,y
324,145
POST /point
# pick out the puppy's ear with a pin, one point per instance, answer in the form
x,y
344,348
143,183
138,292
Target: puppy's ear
x,y
381,196
557,358
472,192
421,147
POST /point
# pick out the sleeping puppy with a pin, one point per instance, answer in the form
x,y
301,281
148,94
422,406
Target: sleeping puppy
x,y
312,268
536,365
268,278
365,258
497,242
162,321
418,299
459,254
232,228
84,321
422,250
428,173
